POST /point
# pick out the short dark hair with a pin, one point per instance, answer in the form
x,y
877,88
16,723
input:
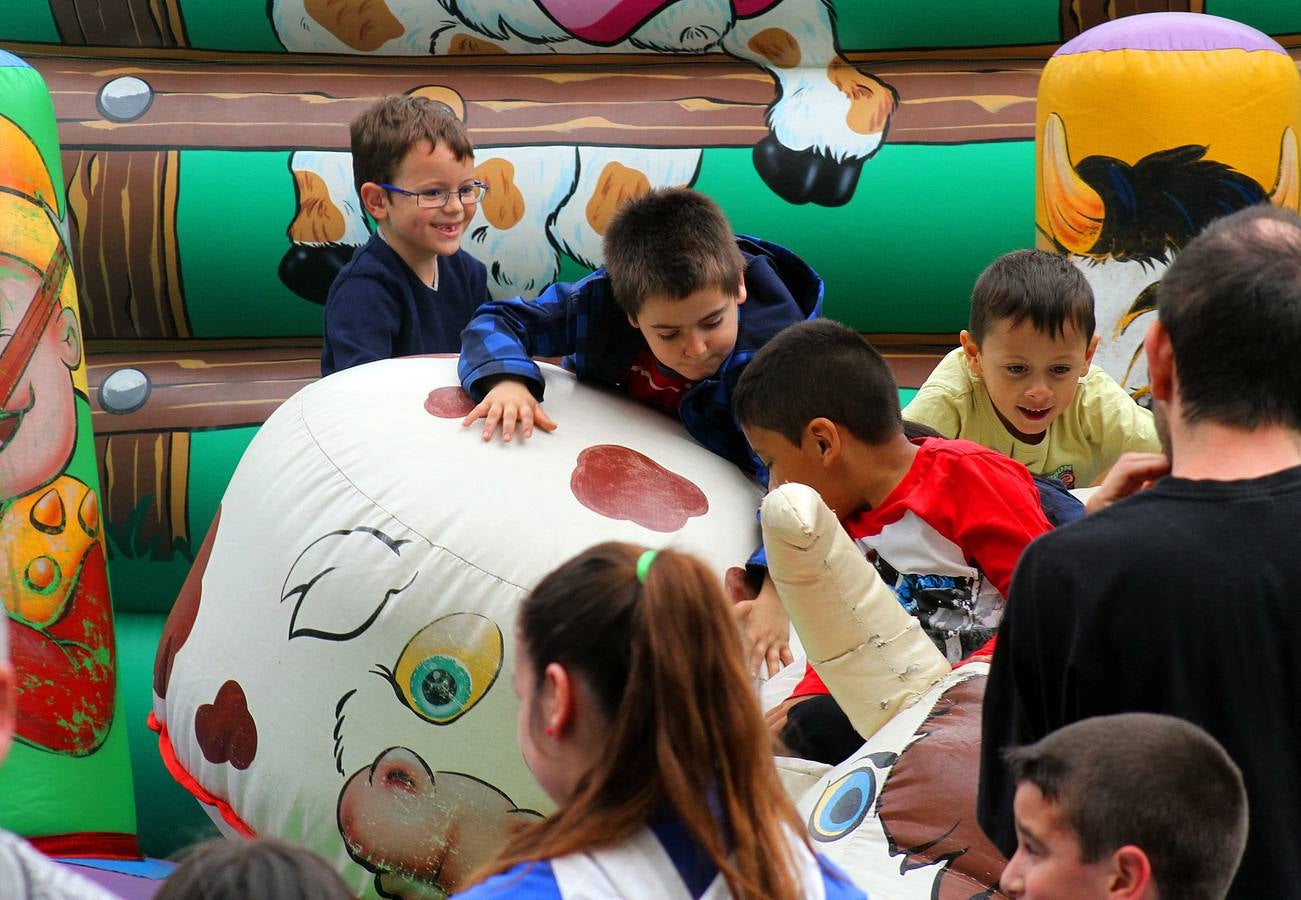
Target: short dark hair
x,y
670,242
1156,782
387,130
1231,303
234,869
819,369
1042,287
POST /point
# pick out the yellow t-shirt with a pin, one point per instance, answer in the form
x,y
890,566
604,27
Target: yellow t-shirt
x,y
1082,443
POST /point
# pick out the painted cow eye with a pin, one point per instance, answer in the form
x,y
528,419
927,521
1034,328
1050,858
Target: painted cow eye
x,y
449,666
843,805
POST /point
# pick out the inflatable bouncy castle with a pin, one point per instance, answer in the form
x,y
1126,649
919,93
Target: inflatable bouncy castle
x,y
190,161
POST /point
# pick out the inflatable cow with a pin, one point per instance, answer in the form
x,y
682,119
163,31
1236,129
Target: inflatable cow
x,y
337,669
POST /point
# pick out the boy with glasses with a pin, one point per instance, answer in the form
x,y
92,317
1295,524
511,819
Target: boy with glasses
x,y
410,289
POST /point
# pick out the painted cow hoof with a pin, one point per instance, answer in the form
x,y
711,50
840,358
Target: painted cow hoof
x,y
805,176
309,271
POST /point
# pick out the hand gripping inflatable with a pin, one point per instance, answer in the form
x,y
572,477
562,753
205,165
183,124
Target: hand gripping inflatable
x,y
1148,128
872,655
337,669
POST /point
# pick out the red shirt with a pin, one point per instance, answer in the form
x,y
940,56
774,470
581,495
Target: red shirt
x,y
961,516
651,383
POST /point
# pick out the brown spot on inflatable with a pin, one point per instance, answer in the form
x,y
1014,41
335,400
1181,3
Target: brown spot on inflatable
x,y
928,803
778,46
871,103
469,45
184,611
448,403
616,184
620,483
503,204
318,220
225,729
444,95
361,24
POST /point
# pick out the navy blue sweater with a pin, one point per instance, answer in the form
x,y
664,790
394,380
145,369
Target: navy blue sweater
x,y
378,308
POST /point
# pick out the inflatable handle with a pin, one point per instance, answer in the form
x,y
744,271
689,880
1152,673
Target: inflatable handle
x,y
871,654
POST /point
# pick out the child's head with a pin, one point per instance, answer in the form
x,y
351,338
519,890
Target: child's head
x,y
1135,806
1030,337
676,272
235,869
619,724
812,377
413,165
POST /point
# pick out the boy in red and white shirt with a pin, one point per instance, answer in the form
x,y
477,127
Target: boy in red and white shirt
x,y
944,521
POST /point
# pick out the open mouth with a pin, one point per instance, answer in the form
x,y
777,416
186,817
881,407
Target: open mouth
x,y
11,419
1035,415
449,230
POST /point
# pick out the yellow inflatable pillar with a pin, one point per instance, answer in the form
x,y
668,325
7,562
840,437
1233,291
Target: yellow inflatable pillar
x,y
1148,128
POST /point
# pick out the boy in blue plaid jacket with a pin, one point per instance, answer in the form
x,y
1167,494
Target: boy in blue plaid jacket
x,y
672,319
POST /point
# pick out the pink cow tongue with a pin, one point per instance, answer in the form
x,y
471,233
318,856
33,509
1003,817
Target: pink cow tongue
x,y
601,21
611,21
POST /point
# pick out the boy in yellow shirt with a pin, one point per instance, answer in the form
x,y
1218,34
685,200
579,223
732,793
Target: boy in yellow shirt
x,y
1023,383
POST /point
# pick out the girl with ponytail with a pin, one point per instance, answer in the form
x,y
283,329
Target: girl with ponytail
x,y
638,718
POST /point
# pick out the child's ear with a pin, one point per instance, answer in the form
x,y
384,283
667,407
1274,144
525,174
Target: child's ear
x,y
971,349
1131,873
375,199
740,288
1093,348
823,437
632,320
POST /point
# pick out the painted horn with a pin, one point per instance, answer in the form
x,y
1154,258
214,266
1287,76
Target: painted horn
x,y
1075,211
1287,187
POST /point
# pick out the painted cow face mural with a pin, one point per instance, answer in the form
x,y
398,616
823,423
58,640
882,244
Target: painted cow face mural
x,y
336,671
828,117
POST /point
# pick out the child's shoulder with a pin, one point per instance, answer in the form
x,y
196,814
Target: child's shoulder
x,y
958,457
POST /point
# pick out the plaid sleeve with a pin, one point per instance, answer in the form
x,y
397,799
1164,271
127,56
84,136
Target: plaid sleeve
x,y
505,335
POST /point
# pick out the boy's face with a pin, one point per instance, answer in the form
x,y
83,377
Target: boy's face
x,y
692,336
416,232
805,464
1047,863
1031,376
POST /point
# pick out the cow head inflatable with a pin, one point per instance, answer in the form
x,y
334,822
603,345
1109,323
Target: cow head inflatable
x,y
336,670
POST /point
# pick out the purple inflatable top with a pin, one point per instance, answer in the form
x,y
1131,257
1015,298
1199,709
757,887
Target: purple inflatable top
x,y
1170,31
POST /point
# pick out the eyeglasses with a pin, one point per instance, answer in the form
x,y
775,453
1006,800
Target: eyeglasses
x,y
436,198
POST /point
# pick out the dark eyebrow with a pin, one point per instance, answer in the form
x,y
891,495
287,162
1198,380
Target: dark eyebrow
x,y
717,312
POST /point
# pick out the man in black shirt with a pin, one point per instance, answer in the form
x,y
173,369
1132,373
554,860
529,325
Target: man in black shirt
x,y
1185,598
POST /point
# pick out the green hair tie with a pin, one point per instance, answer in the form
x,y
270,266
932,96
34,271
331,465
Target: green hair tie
x,y
644,563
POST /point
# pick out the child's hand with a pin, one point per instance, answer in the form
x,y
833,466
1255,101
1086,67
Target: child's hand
x,y
1132,473
776,719
509,402
765,627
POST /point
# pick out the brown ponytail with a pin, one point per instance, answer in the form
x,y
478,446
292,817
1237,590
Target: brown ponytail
x,y
686,731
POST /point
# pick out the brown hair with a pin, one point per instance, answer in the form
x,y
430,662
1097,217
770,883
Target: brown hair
x,y
686,733
819,369
234,869
670,242
1231,303
1043,288
1157,782
386,132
